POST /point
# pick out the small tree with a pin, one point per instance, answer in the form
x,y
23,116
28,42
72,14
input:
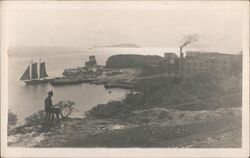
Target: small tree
x,y
66,107
36,118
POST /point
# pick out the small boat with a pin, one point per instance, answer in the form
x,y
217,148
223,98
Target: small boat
x,y
64,81
97,82
32,76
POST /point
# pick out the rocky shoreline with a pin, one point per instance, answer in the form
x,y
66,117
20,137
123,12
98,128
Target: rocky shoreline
x,y
123,80
205,128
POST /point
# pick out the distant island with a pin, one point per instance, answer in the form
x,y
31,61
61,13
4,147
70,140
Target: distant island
x,y
121,45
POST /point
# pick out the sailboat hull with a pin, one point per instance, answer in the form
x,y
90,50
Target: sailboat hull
x,y
35,82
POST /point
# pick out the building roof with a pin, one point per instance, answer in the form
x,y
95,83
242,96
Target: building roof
x,y
196,54
170,55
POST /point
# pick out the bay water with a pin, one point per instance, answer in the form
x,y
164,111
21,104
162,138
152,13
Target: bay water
x,y
25,100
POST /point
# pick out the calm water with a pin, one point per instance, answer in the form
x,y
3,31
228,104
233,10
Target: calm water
x,y
26,100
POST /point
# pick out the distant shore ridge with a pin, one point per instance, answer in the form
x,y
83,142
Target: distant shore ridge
x,y
121,45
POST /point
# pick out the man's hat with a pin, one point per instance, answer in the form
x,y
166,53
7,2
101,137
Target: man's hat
x,y
50,93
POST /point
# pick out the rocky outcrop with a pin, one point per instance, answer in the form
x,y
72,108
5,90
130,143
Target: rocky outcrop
x,y
132,61
155,127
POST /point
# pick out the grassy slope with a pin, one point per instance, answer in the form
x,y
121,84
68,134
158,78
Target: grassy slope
x,y
194,134
219,128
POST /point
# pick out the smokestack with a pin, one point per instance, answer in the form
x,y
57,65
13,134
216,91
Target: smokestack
x,y
181,62
181,54
188,40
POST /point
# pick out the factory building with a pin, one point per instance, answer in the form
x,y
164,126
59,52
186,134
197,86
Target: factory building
x,y
171,63
213,63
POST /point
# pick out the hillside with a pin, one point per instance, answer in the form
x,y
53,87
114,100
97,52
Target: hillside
x,y
132,61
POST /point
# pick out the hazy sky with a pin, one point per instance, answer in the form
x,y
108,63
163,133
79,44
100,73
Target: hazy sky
x,y
152,25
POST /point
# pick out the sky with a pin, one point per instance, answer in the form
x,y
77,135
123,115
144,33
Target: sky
x,y
147,24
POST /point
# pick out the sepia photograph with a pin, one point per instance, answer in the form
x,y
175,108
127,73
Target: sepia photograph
x,y
132,75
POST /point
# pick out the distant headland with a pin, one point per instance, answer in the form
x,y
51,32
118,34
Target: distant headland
x,y
121,45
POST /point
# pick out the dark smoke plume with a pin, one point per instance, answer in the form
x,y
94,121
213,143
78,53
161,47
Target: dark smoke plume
x,y
189,39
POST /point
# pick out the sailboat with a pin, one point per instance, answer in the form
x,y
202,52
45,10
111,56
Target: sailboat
x,y
31,76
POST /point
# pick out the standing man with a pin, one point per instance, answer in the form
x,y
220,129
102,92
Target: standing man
x,y
50,109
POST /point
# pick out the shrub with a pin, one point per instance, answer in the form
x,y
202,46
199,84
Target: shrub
x,y
39,117
109,110
36,118
133,98
12,118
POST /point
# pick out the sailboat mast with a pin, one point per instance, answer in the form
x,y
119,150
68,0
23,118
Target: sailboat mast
x,y
31,69
39,69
